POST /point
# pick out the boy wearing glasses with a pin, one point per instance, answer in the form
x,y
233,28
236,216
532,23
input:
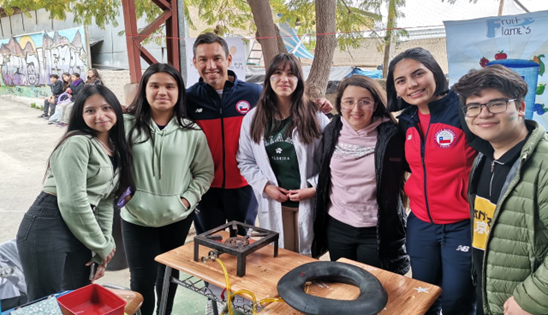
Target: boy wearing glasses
x,y
508,194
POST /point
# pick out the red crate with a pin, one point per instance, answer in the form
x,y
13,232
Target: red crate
x,y
91,299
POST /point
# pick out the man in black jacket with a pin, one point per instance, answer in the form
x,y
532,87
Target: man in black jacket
x,y
56,90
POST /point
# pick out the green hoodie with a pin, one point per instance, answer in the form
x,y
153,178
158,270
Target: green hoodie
x,y
81,176
175,163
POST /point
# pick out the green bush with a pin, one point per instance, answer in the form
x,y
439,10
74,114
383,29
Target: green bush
x,y
33,105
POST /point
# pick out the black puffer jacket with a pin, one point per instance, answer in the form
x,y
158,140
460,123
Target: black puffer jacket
x,y
389,169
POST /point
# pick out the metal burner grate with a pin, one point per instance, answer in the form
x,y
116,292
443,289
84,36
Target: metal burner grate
x,y
236,245
237,241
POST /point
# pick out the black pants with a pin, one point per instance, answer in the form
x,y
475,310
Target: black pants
x,y
441,255
142,245
220,205
53,259
359,244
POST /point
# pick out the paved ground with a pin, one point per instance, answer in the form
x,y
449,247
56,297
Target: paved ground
x,y
25,145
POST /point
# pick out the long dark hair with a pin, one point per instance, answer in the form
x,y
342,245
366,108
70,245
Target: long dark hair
x,y
423,56
140,108
302,111
77,126
94,78
379,96
66,83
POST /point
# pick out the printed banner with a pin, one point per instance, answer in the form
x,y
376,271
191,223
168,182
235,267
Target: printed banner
x,y
472,44
236,49
27,61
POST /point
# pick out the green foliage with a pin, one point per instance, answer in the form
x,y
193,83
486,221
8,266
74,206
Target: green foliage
x,y
32,105
353,17
100,12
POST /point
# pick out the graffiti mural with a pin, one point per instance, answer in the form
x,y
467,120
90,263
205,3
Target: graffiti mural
x,y
27,61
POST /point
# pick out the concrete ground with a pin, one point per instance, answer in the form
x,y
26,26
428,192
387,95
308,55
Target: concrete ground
x,y
25,145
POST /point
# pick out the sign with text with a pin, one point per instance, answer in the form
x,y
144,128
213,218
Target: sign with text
x,y
236,49
472,44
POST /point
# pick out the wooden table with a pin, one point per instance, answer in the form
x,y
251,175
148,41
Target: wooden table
x,y
264,271
405,295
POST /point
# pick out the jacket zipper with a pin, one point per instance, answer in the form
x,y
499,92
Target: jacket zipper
x,y
423,149
223,141
493,175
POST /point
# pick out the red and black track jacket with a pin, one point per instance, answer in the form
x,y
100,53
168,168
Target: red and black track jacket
x,y
220,119
440,162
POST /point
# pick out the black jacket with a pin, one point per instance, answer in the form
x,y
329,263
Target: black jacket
x,y
389,169
57,88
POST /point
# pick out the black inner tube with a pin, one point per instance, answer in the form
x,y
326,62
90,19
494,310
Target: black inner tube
x,y
372,298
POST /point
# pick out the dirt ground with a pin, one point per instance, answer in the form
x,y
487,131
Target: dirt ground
x,y
25,145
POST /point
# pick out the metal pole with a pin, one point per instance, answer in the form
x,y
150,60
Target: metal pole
x,y
165,291
183,33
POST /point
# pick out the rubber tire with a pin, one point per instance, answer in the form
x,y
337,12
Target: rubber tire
x,y
372,298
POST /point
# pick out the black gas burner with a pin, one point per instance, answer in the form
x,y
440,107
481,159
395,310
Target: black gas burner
x,y
236,245
238,241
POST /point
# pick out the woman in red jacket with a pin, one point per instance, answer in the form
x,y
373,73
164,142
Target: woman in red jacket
x,y
440,160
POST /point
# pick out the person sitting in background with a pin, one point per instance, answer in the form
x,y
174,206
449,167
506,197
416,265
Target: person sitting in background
x,y
56,89
60,104
75,86
93,77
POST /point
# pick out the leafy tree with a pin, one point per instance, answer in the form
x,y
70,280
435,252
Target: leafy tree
x,y
341,22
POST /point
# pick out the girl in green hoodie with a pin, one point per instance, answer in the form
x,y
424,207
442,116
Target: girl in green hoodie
x,y
71,219
173,168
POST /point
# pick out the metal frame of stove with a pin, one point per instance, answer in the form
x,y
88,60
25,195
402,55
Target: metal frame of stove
x,y
192,282
206,240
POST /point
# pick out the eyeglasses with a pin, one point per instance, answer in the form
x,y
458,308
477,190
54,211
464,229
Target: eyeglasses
x,y
493,106
363,105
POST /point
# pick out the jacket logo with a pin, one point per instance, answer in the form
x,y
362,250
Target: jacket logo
x,y
279,150
243,107
199,110
409,137
463,248
445,138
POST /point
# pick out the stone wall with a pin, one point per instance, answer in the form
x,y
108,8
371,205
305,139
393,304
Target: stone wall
x,y
116,80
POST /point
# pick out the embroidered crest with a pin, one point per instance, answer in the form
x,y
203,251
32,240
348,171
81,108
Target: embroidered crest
x,y
243,107
445,138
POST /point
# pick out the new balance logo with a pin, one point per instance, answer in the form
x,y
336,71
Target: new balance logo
x,y
463,248
409,137
199,110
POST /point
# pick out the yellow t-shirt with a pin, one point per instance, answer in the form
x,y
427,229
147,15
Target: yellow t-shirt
x,y
483,216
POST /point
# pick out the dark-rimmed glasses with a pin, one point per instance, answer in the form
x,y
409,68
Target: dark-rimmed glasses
x,y
493,106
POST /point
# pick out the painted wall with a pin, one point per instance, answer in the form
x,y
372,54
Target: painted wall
x,y
27,61
28,73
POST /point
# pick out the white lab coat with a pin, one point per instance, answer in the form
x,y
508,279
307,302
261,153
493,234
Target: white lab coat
x,y
255,167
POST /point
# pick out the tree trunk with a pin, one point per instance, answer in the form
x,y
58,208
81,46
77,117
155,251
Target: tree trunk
x,y
325,48
280,40
391,23
262,15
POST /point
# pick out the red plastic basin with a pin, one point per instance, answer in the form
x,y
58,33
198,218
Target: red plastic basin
x,y
91,299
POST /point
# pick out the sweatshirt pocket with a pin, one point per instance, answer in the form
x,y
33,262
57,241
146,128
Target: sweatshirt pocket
x,y
156,210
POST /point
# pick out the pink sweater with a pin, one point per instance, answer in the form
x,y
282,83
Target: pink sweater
x,y
353,183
